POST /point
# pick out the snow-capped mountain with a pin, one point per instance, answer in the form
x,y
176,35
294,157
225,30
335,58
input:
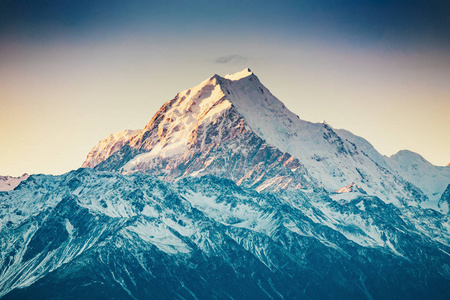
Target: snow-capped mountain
x,y
226,194
233,126
8,183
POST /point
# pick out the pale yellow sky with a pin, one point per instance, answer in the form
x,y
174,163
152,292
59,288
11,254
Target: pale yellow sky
x,y
58,100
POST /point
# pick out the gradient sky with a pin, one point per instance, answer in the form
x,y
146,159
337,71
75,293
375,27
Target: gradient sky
x,y
72,72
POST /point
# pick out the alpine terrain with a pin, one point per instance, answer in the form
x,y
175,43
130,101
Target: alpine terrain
x,y
227,194
8,183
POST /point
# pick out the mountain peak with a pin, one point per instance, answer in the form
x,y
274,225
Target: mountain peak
x,y
239,75
208,125
408,156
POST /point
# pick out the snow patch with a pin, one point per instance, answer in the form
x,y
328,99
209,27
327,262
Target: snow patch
x,y
69,227
159,235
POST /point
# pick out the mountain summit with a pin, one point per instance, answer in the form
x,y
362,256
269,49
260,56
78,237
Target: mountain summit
x,y
233,126
209,129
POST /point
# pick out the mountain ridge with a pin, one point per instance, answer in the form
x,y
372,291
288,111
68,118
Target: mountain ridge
x,y
329,160
8,183
91,233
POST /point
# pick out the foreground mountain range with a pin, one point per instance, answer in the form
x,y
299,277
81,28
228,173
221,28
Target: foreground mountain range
x,y
226,194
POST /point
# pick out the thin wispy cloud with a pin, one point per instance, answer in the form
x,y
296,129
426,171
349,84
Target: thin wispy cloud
x,y
231,59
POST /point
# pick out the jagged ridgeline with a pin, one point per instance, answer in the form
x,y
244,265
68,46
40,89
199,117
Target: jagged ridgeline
x,y
234,127
226,194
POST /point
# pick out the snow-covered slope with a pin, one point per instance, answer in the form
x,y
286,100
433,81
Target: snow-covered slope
x,y
8,183
213,127
364,146
100,235
332,161
432,179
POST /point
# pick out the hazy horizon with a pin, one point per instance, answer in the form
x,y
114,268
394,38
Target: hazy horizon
x,y
73,73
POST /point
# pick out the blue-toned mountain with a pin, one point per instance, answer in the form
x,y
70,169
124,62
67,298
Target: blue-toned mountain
x,y
104,235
